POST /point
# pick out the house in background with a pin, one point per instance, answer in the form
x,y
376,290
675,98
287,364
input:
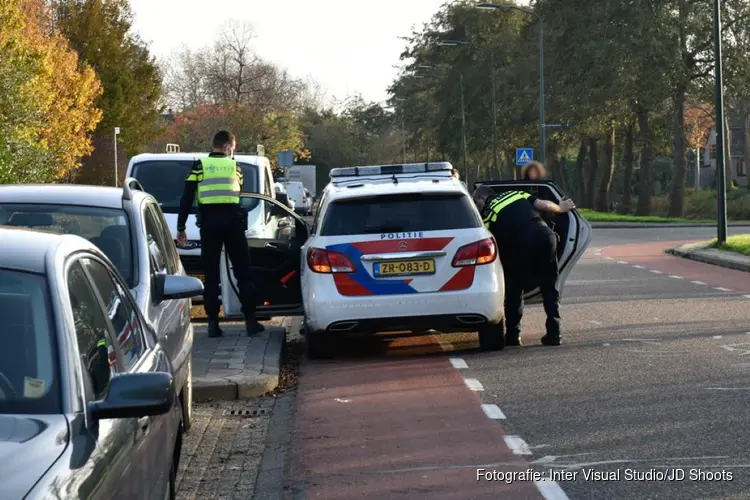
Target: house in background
x,y
736,158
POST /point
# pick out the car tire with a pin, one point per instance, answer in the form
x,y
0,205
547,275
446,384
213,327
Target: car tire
x,y
492,337
317,345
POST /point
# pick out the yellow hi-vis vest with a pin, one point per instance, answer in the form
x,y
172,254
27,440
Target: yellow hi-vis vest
x,y
498,204
219,180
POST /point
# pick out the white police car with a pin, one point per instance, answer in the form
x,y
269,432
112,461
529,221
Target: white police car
x,y
392,248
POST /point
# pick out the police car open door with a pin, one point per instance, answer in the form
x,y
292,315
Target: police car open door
x,y
275,237
573,230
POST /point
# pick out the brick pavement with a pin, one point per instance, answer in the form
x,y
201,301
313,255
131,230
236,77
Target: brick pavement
x,y
235,366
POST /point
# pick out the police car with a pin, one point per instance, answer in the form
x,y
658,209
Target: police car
x,y
392,248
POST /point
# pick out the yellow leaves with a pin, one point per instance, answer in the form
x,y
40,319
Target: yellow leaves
x,y
48,111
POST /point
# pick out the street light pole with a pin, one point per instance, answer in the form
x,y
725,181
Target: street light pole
x,y
721,189
467,175
117,177
542,117
403,131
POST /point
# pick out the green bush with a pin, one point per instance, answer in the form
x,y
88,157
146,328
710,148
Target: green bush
x,y
702,204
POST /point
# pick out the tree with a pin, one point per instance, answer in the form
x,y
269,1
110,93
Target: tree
x,y
100,31
46,107
70,113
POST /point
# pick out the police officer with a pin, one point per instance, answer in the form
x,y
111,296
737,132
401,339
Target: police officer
x,y
217,179
528,252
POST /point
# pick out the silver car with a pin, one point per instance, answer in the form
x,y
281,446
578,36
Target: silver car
x,y
129,227
88,405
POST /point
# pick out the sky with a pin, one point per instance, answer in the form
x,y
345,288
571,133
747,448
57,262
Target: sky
x,y
346,46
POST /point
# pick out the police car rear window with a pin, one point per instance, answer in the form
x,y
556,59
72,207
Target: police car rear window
x,y
400,213
165,181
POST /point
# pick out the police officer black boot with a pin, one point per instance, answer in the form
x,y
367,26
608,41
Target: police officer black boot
x,y
513,340
252,327
213,328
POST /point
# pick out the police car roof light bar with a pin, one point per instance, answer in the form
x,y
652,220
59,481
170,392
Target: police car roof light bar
x,y
411,168
129,186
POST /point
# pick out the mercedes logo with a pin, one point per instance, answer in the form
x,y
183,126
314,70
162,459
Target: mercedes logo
x,y
402,245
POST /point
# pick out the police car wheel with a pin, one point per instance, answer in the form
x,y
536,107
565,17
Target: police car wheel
x,y
317,345
492,337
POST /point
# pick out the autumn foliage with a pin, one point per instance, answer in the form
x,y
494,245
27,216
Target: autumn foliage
x,y
47,97
698,122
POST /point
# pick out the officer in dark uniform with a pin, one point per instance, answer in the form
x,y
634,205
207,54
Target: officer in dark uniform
x,y
217,180
528,252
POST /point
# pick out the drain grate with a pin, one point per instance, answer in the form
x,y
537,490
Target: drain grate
x,y
245,413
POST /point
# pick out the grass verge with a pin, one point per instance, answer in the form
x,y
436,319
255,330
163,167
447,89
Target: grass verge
x,y
594,216
738,244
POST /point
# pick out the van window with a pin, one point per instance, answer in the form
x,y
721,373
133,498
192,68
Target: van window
x,y
400,213
165,180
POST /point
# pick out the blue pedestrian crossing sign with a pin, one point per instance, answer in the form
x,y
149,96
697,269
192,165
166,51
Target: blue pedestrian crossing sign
x,y
524,156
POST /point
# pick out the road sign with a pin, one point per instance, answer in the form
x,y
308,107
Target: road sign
x,y
117,130
524,156
285,158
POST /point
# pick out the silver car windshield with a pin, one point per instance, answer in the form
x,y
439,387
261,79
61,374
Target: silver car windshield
x,y
29,381
107,228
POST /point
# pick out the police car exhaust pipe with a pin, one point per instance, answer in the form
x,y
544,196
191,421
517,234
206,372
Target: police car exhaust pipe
x,y
344,326
470,319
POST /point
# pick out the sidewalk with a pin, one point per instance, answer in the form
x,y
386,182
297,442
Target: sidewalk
x,y
702,253
235,366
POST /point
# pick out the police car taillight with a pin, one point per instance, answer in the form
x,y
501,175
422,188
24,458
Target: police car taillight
x,y
326,261
476,254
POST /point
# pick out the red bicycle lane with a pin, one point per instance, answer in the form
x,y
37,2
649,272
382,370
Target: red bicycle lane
x,y
397,428
653,256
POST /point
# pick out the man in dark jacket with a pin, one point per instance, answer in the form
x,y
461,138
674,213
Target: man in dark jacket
x,y
528,252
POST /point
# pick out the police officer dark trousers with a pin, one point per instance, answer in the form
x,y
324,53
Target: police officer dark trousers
x,y
528,252
217,180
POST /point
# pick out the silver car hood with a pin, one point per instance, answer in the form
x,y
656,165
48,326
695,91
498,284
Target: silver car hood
x,y
29,445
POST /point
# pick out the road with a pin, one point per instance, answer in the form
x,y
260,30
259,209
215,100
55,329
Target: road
x,y
652,376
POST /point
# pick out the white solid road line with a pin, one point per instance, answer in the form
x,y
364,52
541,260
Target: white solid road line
x,y
473,384
458,363
722,289
675,277
517,445
697,282
656,272
493,411
550,490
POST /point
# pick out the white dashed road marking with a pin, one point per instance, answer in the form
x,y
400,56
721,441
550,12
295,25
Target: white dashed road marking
x,y
473,384
609,258
550,490
595,322
697,282
675,277
621,262
722,289
458,363
656,272
716,336
493,411
517,445
639,267
746,296
606,344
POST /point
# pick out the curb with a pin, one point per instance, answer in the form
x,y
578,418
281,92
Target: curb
x,y
659,225
207,389
700,253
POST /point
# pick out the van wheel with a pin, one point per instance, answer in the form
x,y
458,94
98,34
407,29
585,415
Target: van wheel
x,y
317,345
492,337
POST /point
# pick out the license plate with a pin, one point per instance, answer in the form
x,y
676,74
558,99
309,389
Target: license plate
x,y
403,268
199,276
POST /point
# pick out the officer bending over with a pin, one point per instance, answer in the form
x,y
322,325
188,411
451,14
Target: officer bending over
x,y
528,251
217,180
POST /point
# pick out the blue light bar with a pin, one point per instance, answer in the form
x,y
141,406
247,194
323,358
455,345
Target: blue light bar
x,y
410,168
